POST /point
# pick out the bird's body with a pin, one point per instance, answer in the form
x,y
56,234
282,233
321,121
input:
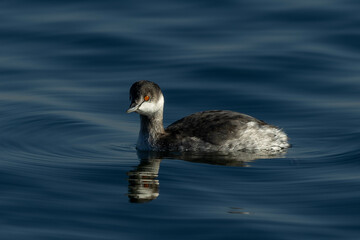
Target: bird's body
x,y
208,131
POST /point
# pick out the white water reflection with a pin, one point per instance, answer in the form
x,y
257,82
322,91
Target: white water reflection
x,y
143,182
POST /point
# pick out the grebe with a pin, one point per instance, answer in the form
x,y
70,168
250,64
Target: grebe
x,y
208,131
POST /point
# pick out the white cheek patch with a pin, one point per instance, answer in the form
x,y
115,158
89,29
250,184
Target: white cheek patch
x,y
160,103
151,107
146,107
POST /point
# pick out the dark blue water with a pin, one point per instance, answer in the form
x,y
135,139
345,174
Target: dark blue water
x,y
68,164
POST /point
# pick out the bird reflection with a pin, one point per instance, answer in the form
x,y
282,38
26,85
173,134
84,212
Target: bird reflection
x,y
143,182
143,185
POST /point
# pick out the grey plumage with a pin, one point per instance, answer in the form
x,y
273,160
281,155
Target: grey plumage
x,y
214,126
216,130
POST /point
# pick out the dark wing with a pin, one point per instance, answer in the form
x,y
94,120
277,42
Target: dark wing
x,y
213,127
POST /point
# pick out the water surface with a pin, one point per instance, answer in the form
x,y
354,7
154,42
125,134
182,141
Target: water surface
x,y
68,164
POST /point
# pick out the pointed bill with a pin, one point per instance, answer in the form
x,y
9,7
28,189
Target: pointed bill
x,y
133,107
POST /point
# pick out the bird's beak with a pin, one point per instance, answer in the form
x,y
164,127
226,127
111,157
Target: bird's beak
x,y
133,107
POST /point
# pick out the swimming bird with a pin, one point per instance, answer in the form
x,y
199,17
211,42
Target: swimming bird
x,y
207,131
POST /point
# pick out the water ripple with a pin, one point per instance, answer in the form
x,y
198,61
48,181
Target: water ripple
x,y
68,164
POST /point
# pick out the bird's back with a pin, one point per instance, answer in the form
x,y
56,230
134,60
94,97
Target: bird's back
x,y
214,127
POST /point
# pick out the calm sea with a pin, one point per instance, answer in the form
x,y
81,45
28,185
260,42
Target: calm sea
x,y
68,164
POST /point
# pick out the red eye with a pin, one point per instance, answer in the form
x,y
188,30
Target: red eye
x,y
146,98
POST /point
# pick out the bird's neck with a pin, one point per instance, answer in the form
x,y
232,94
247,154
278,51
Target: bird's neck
x,y
152,126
